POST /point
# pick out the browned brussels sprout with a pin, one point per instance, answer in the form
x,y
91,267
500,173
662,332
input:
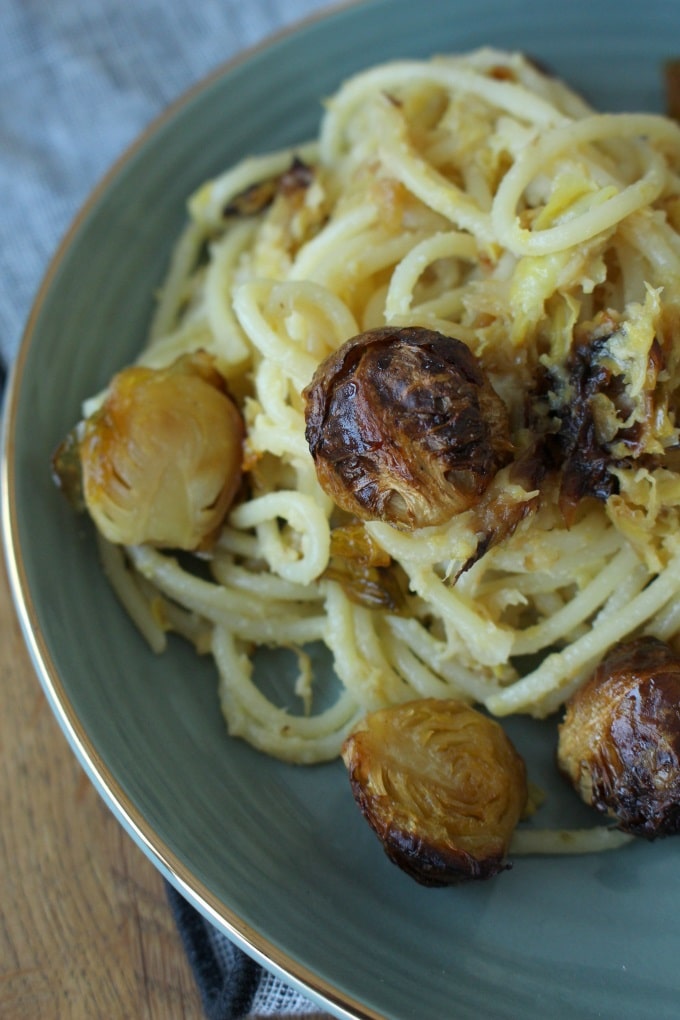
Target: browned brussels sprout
x,y
442,787
160,460
619,742
405,427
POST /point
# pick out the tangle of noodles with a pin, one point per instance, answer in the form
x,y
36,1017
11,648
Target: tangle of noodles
x,y
476,196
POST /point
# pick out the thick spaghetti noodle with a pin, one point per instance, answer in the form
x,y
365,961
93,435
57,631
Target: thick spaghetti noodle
x,y
476,196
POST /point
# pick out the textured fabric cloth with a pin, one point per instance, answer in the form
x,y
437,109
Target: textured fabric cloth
x,y
79,80
231,984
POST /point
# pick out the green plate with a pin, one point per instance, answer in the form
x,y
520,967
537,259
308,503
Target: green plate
x,y
278,856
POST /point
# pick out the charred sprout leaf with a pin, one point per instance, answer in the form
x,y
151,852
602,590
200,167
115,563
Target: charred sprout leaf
x,y
297,177
587,422
255,198
371,587
568,439
583,453
352,541
512,496
442,787
404,427
619,742
67,471
366,573
161,458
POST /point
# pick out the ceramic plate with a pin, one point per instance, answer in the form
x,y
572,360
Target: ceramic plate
x,y
278,856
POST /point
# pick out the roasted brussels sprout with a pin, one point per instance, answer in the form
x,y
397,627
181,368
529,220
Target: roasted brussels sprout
x,y
619,742
405,427
160,460
442,787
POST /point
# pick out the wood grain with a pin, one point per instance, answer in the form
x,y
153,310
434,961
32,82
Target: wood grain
x,y
85,927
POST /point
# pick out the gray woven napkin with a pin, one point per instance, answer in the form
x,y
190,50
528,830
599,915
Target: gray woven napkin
x,y
79,80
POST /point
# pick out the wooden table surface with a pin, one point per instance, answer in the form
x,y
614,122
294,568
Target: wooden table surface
x,y
85,927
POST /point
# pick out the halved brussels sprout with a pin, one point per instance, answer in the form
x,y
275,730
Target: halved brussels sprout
x,y
160,460
442,787
619,742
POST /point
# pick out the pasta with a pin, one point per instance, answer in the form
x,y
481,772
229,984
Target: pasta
x,y
476,196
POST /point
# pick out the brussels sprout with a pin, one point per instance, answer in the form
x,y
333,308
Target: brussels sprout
x,y
442,787
160,460
619,742
405,427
